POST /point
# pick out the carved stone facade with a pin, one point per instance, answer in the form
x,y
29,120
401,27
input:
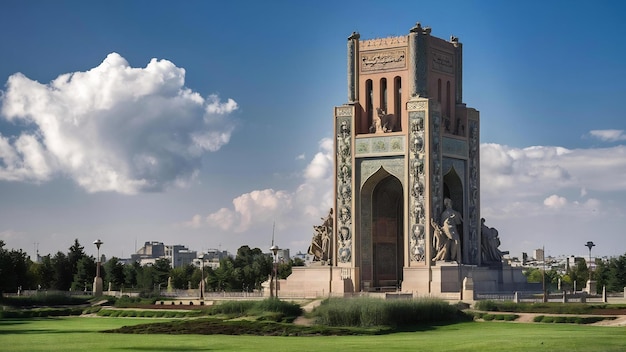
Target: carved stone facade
x,y
344,185
407,163
417,178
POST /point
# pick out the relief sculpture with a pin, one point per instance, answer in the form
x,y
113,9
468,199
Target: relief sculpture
x,y
344,191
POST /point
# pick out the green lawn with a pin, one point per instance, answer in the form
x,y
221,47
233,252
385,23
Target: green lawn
x,y
82,333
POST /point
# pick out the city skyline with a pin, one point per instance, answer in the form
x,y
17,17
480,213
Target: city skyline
x,y
205,123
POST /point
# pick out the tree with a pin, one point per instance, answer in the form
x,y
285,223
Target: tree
x,y
63,274
114,273
85,273
44,277
14,269
534,275
75,254
224,276
297,262
183,275
154,276
612,274
131,272
579,274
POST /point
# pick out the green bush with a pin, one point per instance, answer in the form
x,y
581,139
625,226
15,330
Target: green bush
x,y
43,299
368,312
232,307
40,312
550,308
272,309
569,319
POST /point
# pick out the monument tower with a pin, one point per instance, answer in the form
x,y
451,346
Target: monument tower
x,y
407,171
405,142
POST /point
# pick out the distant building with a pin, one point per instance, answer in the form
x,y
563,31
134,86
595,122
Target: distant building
x,y
177,254
150,250
211,258
539,255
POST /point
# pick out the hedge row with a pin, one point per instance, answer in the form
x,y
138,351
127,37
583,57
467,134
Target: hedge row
x,y
569,319
39,313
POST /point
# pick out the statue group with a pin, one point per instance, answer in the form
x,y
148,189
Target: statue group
x,y
320,246
447,241
490,243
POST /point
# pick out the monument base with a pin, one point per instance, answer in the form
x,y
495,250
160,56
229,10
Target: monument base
x,y
592,287
97,286
446,280
318,281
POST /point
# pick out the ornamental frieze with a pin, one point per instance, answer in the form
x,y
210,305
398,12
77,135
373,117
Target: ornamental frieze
x,y
455,147
379,145
383,60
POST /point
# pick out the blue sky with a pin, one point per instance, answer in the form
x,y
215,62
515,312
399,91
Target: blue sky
x,y
203,122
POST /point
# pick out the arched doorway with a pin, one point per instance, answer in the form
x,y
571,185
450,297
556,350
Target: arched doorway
x,y
387,233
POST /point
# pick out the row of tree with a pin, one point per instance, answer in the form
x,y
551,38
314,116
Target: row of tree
x,y
609,273
75,271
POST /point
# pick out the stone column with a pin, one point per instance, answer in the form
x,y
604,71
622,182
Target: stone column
x,y
353,76
417,61
458,53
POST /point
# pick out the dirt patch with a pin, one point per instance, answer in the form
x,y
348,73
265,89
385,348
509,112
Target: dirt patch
x,y
301,320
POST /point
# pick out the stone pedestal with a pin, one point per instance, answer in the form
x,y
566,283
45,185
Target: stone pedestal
x,y
97,286
591,287
468,289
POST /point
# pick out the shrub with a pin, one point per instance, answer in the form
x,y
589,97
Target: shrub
x,y
232,307
510,317
368,312
43,299
40,313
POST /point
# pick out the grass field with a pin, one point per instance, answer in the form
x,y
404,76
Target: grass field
x,y
82,333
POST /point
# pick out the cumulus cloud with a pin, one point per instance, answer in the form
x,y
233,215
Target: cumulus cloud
x,y
522,181
608,135
112,128
303,205
555,201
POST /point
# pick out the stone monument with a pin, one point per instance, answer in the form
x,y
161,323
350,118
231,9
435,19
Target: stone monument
x,y
407,178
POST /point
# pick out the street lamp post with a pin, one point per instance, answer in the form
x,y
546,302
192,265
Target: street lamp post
x,y
97,281
274,250
202,276
590,245
591,284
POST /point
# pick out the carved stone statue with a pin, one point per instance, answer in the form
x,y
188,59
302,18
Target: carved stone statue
x,y
320,246
383,122
441,243
450,219
490,243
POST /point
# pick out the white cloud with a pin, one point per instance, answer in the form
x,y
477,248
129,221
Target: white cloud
x,y
322,164
292,210
539,171
608,135
555,201
112,128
